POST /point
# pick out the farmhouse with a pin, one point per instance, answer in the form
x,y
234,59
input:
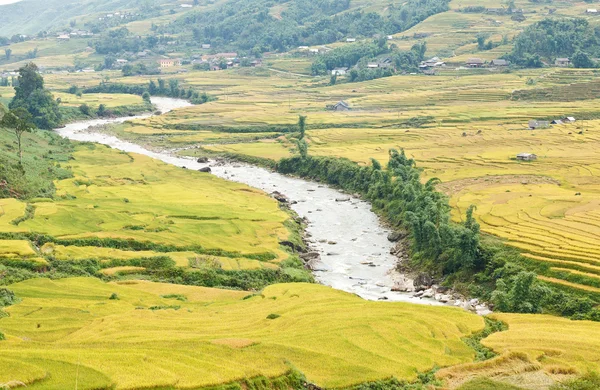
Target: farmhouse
x,y
562,62
526,157
206,45
475,63
63,37
499,62
351,40
535,124
168,62
339,71
341,106
592,11
569,119
557,122
186,6
372,65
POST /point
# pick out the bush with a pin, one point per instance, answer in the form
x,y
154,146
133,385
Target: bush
x,y
114,297
7,297
273,316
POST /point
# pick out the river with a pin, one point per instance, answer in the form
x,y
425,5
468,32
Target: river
x,y
352,242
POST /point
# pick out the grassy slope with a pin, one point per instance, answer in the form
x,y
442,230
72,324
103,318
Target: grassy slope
x,y
33,16
217,337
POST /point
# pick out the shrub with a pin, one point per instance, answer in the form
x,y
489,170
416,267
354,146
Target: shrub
x,y
273,316
114,297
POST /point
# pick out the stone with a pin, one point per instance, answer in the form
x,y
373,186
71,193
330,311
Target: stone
x,y
202,160
280,197
396,236
342,199
423,280
205,170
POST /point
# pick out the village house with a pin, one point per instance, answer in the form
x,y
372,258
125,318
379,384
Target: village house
x,y
433,62
350,40
591,11
569,119
535,124
339,71
390,37
168,62
557,122
63,37
563,62
314,51
526,157
499,62
186,5
206,46
372,65
475,63
341,106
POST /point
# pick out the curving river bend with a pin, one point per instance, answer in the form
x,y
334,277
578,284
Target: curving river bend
x,y
355,252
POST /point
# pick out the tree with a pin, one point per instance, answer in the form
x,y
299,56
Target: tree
x,y
31,95
102,111
18,121
333,79
85,109
7,54
109,61
582,60
146,97
302,126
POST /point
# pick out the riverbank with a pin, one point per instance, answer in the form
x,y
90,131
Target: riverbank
x,y
355,253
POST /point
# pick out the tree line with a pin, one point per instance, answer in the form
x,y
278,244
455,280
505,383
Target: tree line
x,y
456,253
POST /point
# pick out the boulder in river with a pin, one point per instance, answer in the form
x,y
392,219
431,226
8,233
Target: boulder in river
x,y
396,236
202,160
205,170
280,197
422,282
342,199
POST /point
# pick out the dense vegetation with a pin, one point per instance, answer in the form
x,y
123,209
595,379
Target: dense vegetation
x,y
259,26
154,88
31,95
456,253
553,38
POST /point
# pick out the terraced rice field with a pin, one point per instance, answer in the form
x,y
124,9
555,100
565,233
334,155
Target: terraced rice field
x,y
535,351
188,337
473,130
135,199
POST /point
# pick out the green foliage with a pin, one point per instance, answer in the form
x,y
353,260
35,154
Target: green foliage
x,y
521,293
7,297
406,202
552,38
474,341
273,316
179,297
154,89
31,95
41,165
114,297
247,24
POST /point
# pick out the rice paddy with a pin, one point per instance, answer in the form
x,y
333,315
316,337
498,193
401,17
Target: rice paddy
x,y
203,220
473,129
197,337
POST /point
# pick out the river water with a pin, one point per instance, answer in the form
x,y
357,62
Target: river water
x,y
353,244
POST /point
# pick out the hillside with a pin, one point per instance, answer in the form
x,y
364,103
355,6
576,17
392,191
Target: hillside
x,y
478,179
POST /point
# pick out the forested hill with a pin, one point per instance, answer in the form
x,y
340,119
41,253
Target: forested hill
x,y
278,25
33,16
